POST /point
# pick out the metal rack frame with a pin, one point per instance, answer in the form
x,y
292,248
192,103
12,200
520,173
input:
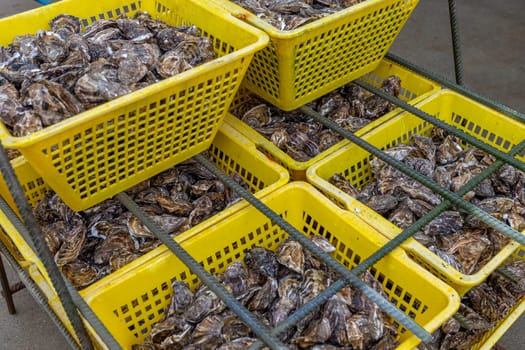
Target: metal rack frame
x,y
72,301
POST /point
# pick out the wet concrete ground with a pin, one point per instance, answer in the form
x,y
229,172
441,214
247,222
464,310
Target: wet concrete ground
x,y
493,45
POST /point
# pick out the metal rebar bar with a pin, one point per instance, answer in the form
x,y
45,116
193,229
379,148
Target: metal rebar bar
x,y
434,212
82,306
6,288
261,330
452,197
346,274
456,46
42,250
38,296
441,124
512,113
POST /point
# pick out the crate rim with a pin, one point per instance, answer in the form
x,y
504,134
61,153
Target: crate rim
x,y
245,15
89,115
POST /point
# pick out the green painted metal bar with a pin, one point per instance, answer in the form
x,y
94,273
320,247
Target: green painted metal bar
x,y
463,321
460,89
39,297
348,275
449,128
82,306
34,234
261,330
452,197
433,213
456,46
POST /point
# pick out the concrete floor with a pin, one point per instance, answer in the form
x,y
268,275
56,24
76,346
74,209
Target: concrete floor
x,y
493,50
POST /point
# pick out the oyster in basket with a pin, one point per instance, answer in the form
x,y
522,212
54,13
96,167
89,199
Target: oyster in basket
x,y
303,138
60,72
347,320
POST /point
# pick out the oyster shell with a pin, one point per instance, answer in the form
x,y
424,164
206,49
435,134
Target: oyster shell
x,y
301,137
446,223
236,276
233,328
80,273
290,254
205,302
207,334
288,301
181,300
65,25
52,47
265,295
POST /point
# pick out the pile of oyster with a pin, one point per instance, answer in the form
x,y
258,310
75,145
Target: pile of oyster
x,y
459,238
272,286
291,14
91,244
301,137
58,73
482,307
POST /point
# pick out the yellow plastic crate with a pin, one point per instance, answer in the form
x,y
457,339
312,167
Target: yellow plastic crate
x,y
230,151
414,88
492,336
35,274
107,149
303,64
353,162
132,299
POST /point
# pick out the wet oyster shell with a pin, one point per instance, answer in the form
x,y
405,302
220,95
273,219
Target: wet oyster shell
x,y
262,261
290,254
288,301
81,274
446,223
52,47
236,277
181,300
264,296
233,328
207,334
65,25
52,102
